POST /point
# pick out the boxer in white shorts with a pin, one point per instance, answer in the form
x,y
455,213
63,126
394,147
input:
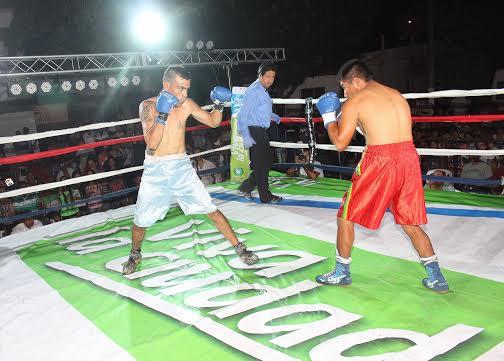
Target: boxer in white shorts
x,y
168,173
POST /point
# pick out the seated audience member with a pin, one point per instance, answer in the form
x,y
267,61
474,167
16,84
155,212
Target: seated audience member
x,y
440,185
26,225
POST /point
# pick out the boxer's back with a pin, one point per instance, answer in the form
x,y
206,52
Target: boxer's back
x,y
384,115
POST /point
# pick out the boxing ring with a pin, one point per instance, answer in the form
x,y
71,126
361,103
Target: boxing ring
x,y
65,298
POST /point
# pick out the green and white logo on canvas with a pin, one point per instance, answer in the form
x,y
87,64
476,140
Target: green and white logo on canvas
x,y
193,299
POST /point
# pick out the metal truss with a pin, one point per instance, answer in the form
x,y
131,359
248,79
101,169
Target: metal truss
x,y
61,64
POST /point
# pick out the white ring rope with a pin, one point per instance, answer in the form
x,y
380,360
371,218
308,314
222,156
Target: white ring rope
x,y
55,133
436,94
421,151
90,177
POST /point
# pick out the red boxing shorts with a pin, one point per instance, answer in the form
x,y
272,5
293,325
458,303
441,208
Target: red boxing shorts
x,y
387,176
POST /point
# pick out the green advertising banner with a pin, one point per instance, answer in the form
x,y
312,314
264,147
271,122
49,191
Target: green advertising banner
x,y
240,167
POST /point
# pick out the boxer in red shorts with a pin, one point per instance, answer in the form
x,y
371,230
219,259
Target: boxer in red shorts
x,y
388,175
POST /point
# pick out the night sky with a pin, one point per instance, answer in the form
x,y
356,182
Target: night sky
x,y
318,35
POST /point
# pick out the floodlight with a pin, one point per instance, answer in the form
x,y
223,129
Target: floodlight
x,y
31,88
93,84
149,27
16,89
66,85
46,87
80,85
135,80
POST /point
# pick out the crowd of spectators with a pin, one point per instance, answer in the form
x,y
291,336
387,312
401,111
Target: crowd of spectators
x,y
87,197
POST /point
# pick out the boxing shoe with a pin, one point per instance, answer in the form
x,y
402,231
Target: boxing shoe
x,y
435,280
134,259
339,276
245,255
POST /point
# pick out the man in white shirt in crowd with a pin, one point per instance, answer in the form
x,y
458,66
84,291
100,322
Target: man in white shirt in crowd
x,y
26,225
202,164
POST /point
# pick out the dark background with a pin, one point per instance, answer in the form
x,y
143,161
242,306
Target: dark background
x,y
318,35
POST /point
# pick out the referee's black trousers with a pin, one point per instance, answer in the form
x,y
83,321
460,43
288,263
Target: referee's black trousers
x,y
261,160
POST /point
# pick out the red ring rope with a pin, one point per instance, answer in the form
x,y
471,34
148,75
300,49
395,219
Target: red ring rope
x,y
286,120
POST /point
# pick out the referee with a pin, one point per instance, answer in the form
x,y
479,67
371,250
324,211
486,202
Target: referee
x,y
254,120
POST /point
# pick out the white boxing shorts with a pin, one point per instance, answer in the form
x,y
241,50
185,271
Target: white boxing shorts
x,y
164,180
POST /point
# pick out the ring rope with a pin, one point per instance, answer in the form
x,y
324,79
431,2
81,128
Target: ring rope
x,y
355,149
436,94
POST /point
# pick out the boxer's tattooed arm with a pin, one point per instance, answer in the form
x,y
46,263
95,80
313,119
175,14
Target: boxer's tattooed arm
x,y
147,113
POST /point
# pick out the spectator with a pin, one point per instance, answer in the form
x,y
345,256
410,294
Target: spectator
x,y
202,164
22,147
476,169
26,202
116,184
309,171
26,225
91,189
65,196
6,205
439,185
484,158
66,171
91,166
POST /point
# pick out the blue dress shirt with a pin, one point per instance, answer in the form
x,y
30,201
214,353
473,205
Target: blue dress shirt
x,y
256,109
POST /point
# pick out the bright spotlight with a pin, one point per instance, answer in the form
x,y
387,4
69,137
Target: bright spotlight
x,y
112,82
66,85
149,27
200,44
80,85
124,81
93,84
135,80
16,89
31,88
46,87
189,45
209,44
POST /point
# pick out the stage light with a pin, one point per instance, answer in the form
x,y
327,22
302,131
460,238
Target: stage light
x,y
189,45
93,84
112,82
31,88
209,44
66,85
149,27
199,44
80,85
124,81
46,87
16,89
135,80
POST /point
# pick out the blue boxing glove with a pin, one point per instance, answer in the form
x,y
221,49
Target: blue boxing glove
x,y
219,96
328,104
164,105
275,118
